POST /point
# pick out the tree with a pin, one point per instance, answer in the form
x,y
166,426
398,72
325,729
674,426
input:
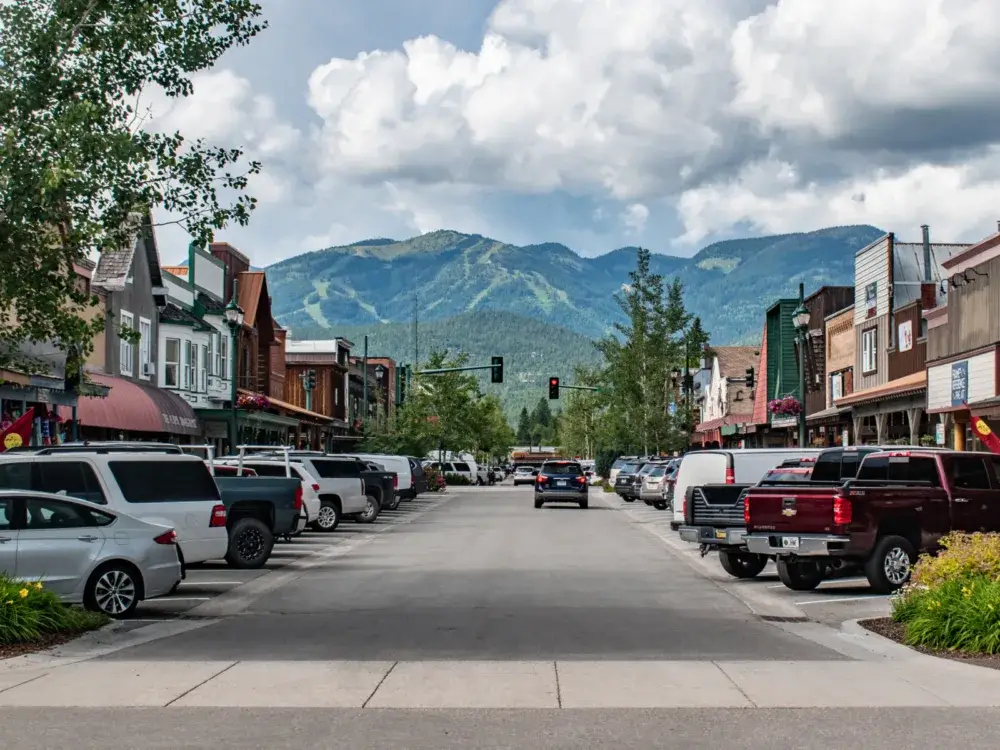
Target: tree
x,y
524,427
578,422
77,170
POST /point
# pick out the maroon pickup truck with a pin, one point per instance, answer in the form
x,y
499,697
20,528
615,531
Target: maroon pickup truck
x,y
900,505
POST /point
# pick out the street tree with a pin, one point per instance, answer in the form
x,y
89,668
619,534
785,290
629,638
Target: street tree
x,y
79,168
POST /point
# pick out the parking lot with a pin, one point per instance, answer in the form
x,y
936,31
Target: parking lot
x,y
832,603
207,581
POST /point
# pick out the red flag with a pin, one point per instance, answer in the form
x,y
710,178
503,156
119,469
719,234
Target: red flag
x,y
19,433
986,436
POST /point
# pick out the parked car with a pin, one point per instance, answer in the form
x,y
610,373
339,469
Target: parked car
x,y
625,481
288,524
420,484
96,556
654,483
402,467
525,475
156,486
900,505
618,465
561,482
735,466
380,485
341,489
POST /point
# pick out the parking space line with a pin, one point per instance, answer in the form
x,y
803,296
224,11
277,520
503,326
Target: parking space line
x,y
180,599
211,583
845,599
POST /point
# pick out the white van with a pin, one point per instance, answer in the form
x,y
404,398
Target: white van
x,y
727,466
172,490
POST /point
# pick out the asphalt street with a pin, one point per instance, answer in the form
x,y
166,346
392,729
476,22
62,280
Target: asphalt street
x,y
487,577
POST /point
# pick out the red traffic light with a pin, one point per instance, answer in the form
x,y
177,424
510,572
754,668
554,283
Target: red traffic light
x,y
553,381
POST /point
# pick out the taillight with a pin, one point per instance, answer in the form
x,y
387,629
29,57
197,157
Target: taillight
x,y
315,488
167,537
684,507
298,498
542,478
395,481
842,511
730,475
582,480
746,510
218,516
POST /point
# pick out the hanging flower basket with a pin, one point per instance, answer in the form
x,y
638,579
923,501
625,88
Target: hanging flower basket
x,y
789,406
252,401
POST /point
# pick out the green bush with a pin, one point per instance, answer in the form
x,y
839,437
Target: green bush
x,y
28,612
457,480
962,614
963,556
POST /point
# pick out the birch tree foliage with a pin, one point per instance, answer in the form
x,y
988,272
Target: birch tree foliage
x,y
77,164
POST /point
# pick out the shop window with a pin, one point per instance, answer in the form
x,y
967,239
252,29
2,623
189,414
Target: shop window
x,y
145,346
223,356
192,361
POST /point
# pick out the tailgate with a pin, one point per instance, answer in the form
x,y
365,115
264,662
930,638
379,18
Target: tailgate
x,y
718,505
799,509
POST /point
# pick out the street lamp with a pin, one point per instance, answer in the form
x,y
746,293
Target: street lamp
x,y
800,319
234,319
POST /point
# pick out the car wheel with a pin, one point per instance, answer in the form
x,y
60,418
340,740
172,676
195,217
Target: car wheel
x,y
584,504
799,575
114,589
539,503
328,517
628,499
371,511
660,505
394,503
250,544
742,564
889,567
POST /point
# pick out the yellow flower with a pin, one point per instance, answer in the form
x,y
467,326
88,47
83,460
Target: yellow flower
x,y
38,586
23,593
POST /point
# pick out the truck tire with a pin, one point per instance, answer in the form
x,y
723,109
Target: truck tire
x,y
660,504
328,517
742,564
584,504
628,499
371,511
799,575
394,503
888,569
250,544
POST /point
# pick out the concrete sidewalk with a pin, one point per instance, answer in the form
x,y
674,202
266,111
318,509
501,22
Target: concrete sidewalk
x,y
505,684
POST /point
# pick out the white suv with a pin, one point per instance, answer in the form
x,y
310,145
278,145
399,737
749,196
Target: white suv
x,y
172,490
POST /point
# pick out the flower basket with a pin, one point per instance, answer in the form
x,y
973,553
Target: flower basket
x,y
788,406
252,401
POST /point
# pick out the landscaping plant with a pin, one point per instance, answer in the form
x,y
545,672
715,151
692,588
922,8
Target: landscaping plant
x,y
29,612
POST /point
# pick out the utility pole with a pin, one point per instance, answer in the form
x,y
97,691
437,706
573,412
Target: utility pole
x,y
416,348
364,380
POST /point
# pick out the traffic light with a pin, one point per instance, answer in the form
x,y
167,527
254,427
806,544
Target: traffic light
x,y
311,380
496,373
553,387
749,379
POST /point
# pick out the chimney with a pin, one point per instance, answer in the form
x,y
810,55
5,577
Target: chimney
x,y
928,276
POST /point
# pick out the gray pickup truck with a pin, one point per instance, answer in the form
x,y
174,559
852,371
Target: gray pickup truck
x,y
258,510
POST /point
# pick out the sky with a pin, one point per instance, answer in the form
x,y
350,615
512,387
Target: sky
x,y
604,123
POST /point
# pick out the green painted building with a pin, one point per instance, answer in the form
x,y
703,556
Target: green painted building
x,y
782,358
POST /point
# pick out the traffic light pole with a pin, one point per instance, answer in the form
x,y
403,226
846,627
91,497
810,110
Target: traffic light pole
x,y
443,370
580,388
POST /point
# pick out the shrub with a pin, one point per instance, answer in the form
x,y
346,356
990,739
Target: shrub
x,y
459,480
28,612
963,556
962,614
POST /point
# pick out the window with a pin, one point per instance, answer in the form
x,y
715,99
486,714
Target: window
x,y
996,470
211,362
145,346
560,467
192,360
836,386
869,351
172,363
901,469
970,473
892,330
336,469
276,469
6,513
223,355
75,478
159,481
15,476
203,369
923,328
126,353
45,514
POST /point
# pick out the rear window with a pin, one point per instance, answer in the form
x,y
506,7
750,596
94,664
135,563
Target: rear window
x,y
337,469
630,468
784,475
900,469
619,463
164,481
562,467
659,471
462,467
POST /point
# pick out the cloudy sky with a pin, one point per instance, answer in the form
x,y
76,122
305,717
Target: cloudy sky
x,y
602,123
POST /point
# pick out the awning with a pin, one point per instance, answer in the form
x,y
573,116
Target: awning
x,y
904,386
831,413
135,407
292,408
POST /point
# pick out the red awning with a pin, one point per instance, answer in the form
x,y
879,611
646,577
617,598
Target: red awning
x,y
135,407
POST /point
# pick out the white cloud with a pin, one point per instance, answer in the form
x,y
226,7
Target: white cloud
x,y
634,217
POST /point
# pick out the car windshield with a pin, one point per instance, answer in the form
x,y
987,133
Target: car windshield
x,y
619,463
562,467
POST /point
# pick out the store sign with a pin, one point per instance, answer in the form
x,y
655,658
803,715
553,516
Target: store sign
x,y
939,433
959,382
905,337
836,386
871,299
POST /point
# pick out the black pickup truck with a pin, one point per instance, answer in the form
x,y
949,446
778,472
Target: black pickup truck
x,y
258,510
380,488
714,515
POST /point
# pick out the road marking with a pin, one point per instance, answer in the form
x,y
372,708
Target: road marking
x,y
180,599
846,599
211,583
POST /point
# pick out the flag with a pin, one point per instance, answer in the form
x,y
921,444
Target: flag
x,y
986,436
19,433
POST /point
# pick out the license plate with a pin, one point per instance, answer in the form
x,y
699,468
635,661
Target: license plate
x,y
560,483
720,534
790,542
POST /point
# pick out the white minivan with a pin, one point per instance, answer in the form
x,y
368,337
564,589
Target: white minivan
x,y
173,490
727,466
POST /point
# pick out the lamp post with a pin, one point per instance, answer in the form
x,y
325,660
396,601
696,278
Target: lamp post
x,y
379,374
800,319
234,319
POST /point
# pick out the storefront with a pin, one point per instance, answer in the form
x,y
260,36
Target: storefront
x,y
960,384
890,413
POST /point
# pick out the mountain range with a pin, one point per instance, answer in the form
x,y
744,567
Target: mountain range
x,y
540,306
